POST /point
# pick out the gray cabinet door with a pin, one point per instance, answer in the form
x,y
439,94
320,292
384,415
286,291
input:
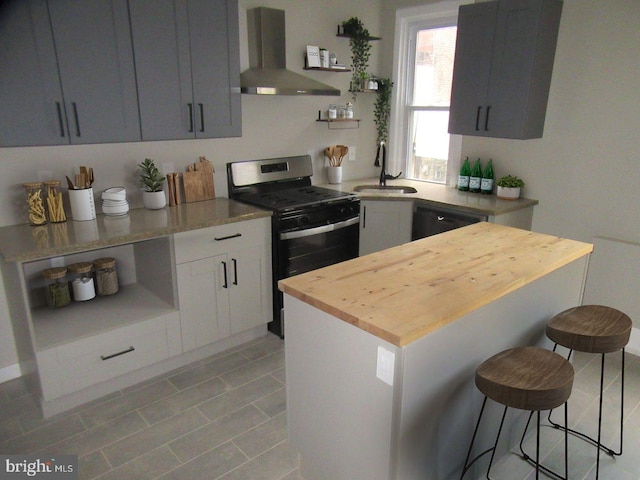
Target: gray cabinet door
x,y
215,66
95,59
30,92
502,71
187,63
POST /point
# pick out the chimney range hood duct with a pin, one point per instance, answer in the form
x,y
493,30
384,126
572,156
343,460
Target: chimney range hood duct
x,y
268,74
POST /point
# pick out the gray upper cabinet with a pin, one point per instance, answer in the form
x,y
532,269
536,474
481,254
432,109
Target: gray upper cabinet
x,y
67,73
502,69
30,91
188,68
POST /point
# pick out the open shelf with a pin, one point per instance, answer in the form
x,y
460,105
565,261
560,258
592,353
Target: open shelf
x,y
322,69
340,123
133,303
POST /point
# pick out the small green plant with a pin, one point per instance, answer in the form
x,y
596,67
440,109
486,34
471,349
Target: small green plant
x,y
509,181
382,110
150,177
360,51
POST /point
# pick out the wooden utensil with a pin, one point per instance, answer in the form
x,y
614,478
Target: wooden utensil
x,y
172,190
193,188
206,170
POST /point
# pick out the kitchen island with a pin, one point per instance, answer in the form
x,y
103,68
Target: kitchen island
x,y
381,350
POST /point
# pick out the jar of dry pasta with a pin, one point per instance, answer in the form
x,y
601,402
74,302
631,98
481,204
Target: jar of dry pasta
x,y
106,276
35,203
56,287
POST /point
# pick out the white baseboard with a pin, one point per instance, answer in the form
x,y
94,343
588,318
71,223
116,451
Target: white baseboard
x,y
10,372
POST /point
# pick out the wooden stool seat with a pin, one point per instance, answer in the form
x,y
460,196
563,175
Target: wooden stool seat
x,y
528,378
591,329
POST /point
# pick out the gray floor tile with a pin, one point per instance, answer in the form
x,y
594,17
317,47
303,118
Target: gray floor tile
x,y
271,465
273,404
153,437
145,467
92,465
208,370
217,432
41,438
133,400
100,436
254,370
183,400
210,465
239,397
263,437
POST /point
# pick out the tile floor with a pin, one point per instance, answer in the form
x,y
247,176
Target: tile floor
x,y
225,418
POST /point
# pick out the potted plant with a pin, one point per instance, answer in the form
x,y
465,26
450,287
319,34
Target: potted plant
x,y
360,52
382,112
509,187
151,181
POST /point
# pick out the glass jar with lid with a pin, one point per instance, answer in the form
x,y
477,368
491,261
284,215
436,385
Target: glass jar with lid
x,y
35,203
82,285
106,276
333,112
56,287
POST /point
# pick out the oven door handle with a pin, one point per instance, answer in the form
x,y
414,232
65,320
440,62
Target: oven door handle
x,y
318,230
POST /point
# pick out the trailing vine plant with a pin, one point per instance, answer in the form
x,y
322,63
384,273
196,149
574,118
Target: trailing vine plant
x,y
360,51
382,110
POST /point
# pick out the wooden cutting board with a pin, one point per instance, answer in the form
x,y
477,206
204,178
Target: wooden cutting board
x,y
198,182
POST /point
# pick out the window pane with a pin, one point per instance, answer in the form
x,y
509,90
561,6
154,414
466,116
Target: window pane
x,y
430,141
435,51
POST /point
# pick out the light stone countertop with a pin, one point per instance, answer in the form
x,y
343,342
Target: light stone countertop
x,y
438,196
20,243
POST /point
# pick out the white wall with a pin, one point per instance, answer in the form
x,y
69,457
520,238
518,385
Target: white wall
x,y
272,126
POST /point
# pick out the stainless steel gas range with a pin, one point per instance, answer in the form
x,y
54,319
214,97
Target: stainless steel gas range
x,y
312,227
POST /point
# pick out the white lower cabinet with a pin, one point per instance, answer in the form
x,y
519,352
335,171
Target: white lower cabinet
x,y
76,365
384,224
224,280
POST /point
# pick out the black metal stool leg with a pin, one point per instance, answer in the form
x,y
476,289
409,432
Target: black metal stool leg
x,y
537,464
467,463
597,442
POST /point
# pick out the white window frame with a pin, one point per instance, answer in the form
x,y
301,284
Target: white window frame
x,y
408,22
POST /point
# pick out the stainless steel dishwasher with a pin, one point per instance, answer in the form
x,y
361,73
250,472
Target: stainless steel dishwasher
x,y
430,220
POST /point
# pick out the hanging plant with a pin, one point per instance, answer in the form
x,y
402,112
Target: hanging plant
x,y
360,51
382,111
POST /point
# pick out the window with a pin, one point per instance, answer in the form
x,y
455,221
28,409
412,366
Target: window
x,y
424,66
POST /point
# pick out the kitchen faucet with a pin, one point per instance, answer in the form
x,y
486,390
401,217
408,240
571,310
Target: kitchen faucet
x,y
383,174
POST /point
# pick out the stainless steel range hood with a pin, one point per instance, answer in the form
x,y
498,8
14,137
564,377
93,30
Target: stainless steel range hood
x,y
268,74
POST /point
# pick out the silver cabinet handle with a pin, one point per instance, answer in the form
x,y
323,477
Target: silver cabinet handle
x,y
318,230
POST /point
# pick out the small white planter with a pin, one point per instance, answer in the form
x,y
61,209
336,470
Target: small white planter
x,y
154,200
508,193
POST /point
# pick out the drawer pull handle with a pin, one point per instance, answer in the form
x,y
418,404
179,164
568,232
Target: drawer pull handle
x,y
226,282
107,357
60,121
219,239
235,271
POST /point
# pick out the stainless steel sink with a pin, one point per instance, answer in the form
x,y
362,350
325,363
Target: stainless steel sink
x,y
384,189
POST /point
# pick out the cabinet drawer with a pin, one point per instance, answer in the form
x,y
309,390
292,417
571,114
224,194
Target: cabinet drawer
x,y
76,365
212,241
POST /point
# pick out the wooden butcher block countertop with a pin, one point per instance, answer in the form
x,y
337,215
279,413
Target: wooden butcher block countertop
x,y
406,292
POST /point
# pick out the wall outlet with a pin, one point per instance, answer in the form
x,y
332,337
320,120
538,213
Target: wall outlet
x,y
386,365
352,154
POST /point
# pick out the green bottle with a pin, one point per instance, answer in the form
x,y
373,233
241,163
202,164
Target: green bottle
x,y
486,185
465,173
476,177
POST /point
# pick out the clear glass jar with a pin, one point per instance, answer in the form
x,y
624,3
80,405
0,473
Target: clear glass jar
x,y
349,110
106,276
54,202
342,111
35,203
82,285
333,112
56,287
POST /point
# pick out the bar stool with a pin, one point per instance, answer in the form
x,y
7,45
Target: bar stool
x,y
526,378
593,329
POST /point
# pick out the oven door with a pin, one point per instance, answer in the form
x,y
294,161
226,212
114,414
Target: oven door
x,y
304,249
308,249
